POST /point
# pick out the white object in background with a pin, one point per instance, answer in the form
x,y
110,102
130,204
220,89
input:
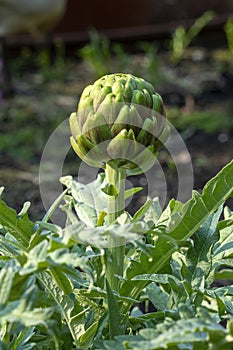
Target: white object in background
x,y
31,16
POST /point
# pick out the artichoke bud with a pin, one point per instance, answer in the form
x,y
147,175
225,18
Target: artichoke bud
x,y
91,151
159,120
123,146
149,88
157,103
107,108
85,103
119,97
143,161
139,98
74,127
119,117
146,134
132,81
128,91
148,98
87,91
98,90
121,120
100,95
96,128
84,144
117,87
82,155
163,137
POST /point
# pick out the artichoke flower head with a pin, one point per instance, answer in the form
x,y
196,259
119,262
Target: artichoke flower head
x,y
121,121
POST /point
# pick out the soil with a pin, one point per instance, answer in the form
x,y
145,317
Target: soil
x,y
57,98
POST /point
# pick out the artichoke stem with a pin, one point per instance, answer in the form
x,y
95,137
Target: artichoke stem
x,y
116,251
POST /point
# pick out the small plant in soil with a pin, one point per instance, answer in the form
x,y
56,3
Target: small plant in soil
x,y
228,28
88,285
182,38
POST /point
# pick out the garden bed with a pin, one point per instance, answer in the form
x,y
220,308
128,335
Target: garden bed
x,y
197,93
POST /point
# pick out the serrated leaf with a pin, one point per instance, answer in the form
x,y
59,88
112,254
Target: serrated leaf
x,y
199,260
223,249
99,236
37,258
200,206
87,214
7,274
89,199
65,304
19,227
62,280
158,297
162,279
190,217
23,310
7,248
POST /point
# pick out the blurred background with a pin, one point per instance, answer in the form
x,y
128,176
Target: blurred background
x,y
50,50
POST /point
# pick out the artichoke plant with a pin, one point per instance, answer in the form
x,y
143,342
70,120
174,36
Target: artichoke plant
x,y
120,126
120,121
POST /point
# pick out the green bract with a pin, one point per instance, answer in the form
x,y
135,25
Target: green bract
x,y
121,121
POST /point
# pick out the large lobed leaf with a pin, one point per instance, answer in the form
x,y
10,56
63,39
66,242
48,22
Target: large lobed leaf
x,y
181,222
18,226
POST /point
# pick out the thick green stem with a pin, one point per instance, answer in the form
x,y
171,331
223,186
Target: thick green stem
x,y
116,250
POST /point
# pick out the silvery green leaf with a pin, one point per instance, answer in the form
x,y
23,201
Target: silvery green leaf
x,y
37,258
154,211
90,194
62,257
19,227
172,215
99,236
89,199
157,296
198,257
24,210
228,214
124,219
71,232
86,214
224,247
22,311
7,274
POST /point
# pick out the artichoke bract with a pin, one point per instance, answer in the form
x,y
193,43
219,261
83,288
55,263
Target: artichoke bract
x,y
121,121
